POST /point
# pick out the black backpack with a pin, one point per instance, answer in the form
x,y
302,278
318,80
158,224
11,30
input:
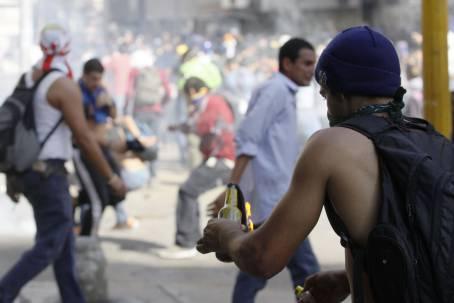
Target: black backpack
x,y
409,256
19,144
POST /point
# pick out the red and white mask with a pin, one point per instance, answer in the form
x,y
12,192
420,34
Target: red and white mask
x,y
55,44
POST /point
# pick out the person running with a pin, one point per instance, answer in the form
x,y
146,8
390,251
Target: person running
x,y
57,103
212,121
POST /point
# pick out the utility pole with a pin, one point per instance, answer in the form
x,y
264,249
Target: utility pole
x,y
437,101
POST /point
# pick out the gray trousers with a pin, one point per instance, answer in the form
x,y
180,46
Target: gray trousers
x,y
202,179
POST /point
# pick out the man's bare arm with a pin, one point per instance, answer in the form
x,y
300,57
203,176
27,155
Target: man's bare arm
x,y
65,96
268,250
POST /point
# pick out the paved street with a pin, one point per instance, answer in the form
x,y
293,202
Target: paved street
x,y
135,274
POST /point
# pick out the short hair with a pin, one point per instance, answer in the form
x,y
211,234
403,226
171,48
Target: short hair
x,y
93,65
291,50
194,83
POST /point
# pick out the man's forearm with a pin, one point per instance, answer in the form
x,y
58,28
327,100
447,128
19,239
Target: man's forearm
x,y
92,151
241,163
244,252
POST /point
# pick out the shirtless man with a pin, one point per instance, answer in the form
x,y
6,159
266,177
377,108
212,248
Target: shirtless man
x,y
337,163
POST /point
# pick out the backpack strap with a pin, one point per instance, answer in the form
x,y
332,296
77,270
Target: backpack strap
x,y
41,78
358,253
371,126
35,87
359,259
418,123
22,82
336,222
368,125
51,132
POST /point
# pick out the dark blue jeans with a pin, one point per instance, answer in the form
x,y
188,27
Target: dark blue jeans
x,y
54,243
301,265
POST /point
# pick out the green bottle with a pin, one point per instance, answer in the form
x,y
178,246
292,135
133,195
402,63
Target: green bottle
x,y
230,210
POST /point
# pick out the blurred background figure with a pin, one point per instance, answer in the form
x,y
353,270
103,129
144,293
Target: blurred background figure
x,y
212,121
119,64
101,115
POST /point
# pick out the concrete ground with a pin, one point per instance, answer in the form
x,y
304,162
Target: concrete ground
x,y
135,274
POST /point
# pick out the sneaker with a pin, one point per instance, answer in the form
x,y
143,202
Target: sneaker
x,y
131,223
177,253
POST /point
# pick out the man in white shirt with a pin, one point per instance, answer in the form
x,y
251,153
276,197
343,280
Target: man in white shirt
x,y
58,109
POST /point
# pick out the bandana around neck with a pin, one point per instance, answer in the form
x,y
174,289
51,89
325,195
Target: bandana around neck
x,y
393,108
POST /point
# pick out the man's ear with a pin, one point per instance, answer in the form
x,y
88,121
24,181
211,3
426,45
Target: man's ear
x,y
286,64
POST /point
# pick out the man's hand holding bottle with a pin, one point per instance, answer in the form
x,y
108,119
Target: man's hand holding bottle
x,y
233,213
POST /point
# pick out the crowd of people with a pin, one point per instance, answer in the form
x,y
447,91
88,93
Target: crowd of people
x,y
241,108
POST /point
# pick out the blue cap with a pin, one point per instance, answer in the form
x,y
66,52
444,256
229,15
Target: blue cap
x,y
360,61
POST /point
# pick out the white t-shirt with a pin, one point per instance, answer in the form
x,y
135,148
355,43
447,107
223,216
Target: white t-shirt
x,y
59,145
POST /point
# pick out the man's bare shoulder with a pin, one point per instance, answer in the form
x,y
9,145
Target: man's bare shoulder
x,y
65,84
337,143
337,137
63,90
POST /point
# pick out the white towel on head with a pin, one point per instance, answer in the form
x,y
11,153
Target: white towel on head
x,y
55,40
55,44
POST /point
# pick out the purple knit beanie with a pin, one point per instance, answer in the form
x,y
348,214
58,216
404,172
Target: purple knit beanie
x,y
360,61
